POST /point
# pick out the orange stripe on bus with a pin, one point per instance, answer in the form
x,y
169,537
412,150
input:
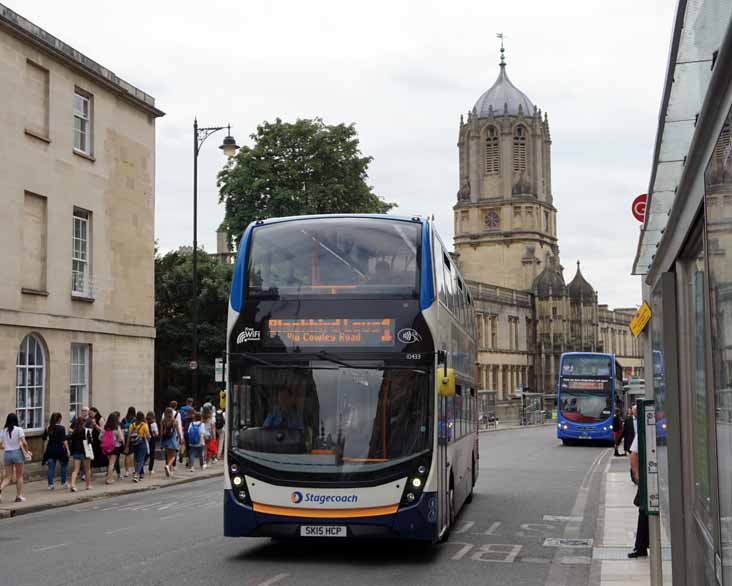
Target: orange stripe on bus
x,y
325,513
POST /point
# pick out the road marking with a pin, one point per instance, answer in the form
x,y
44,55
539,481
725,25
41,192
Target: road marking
x,y
465,526
173,516
532,529
565,542
164,507
113,531
466,547
491,530
562,519
49,547
496,552
273,580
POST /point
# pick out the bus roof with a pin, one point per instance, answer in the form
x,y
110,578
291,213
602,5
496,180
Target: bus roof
x,y
416,219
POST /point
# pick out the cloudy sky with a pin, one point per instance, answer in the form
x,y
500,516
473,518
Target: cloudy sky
x,y
403,71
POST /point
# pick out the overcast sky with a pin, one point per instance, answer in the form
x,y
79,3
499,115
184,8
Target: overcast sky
x,y
403,72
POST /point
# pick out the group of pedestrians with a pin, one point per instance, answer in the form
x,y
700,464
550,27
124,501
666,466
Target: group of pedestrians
x,y
120,446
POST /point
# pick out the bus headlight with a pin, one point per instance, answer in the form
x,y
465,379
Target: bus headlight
x,y
234,468
416,482
237,481
411,497
422,470
565,426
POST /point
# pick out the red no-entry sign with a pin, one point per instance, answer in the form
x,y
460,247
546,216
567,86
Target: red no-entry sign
x,y
639,207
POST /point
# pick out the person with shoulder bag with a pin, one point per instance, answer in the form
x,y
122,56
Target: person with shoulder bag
x,y
152,444
57,449
137,438
111,444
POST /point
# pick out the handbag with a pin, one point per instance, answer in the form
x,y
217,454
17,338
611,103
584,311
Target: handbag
x,y
88,449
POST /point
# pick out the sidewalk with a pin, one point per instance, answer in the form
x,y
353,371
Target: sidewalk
x,y
39,498
615,533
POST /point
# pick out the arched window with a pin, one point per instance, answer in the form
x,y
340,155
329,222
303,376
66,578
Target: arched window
x,y
492,152
30,383
491,220
519,149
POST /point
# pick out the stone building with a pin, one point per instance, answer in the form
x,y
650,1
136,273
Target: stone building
x,y
507,244
77,158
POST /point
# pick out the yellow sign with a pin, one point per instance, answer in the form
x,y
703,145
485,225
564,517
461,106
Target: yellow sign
x,y
640,319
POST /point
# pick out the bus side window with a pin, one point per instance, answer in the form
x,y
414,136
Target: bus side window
x,y
448,281
439,273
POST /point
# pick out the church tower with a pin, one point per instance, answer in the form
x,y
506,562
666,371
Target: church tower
x,y
505,220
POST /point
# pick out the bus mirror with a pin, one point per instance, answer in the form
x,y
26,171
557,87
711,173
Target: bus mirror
x,y
446,378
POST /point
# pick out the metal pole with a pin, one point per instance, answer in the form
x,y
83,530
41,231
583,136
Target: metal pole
x,y
194,371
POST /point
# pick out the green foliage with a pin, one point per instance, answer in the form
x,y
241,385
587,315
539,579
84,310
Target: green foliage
x,y
174,324
294,169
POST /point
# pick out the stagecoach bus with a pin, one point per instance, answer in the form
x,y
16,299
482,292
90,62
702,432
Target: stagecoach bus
x,y
589,388
352,408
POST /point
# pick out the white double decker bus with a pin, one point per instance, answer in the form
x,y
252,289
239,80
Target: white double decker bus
x,y
352,406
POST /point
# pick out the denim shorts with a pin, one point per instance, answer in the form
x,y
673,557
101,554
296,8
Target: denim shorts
x,y
79,456
13,457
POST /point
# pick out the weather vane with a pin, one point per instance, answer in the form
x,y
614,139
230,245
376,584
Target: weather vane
x,y
502,36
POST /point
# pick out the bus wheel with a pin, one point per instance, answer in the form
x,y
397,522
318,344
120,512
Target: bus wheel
x,y
450,512
565,442
469,498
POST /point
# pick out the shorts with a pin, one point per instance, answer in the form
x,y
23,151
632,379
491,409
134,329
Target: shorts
x,y
13,457
79,457
616,436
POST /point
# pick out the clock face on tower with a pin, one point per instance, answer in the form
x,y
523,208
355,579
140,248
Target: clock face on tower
x,y
492,220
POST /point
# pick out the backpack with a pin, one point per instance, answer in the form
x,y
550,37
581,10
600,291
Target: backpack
x,y
108,443
168,430
220,420
134,437
194,434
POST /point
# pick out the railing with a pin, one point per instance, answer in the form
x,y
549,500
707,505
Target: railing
x,y
501,294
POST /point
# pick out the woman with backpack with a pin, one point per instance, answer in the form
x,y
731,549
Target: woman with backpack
x,y
79,439
128,420
196,440
111,444
57,449
154,435
169,439
137,438
12,439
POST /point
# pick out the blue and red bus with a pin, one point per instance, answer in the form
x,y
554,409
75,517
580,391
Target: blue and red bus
x,y
590,386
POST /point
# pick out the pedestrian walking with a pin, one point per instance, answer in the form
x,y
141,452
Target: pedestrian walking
x,y
196,441
220,431
209,434
617,427
169,439
16,449
125,424
112,445
81,453
186,423
640,549
628,433
137,437
152,444
119,444
57,450
100,459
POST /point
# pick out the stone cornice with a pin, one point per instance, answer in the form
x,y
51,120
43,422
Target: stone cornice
x,y
501,201
45,321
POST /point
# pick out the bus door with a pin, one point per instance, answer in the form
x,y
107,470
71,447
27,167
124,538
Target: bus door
x,y
442,463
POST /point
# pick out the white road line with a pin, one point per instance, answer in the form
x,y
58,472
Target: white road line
x,y
39,549
562,519
113,531
173,516
273,580
165,507
464,527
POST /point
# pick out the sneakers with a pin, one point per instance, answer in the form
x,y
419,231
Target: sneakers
x,y
50,487
215,460
135,478
65,485
167,470
73,489
19,499
192,469
205,466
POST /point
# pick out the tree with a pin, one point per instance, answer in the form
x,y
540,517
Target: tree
x,y
173,321
293,169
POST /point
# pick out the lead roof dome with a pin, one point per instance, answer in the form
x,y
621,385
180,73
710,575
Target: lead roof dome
x,y
503,95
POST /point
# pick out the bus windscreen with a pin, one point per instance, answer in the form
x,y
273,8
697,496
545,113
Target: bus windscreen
x,y
585,365
326,257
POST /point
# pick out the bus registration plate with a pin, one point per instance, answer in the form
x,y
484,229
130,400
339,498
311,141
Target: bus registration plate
x,y
323,531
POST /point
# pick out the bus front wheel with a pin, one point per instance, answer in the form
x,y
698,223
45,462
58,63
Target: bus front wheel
x,y
469,498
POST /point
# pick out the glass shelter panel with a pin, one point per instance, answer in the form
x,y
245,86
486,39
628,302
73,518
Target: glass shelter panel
x,y
718,216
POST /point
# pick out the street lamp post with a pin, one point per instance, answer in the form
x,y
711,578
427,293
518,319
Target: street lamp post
x,y
229,147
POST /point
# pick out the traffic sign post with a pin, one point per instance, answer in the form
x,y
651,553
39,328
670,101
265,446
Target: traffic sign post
x,y
639,207
647,456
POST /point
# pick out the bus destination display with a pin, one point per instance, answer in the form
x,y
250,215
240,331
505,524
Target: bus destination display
x,y
331,332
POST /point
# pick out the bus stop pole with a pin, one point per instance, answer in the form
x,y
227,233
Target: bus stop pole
x,y
648,483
